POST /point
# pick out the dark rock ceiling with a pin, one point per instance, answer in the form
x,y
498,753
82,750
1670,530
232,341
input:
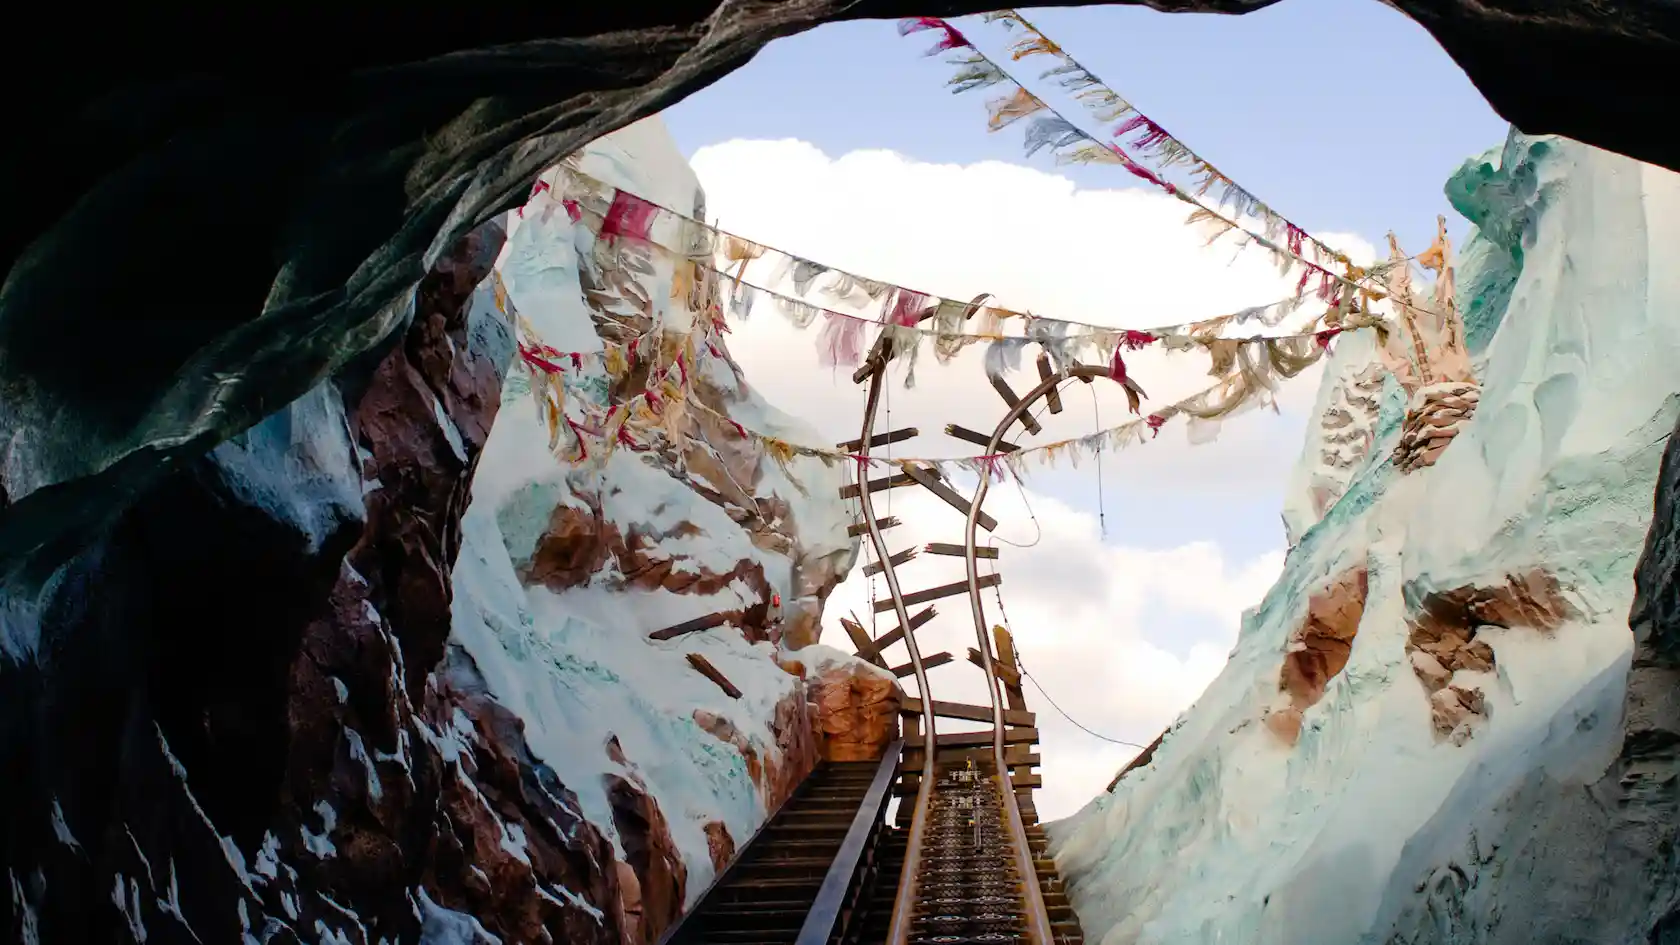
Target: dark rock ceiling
x,y
207,211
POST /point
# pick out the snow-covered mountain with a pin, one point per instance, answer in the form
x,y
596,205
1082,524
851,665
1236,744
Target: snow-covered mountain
x,y
1426,731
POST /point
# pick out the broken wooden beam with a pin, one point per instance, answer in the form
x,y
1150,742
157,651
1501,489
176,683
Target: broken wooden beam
x,y
1002,387
958,551
874,567
927,481
690,626
1045,372
971,713
865,647
862,528
1012,735
935,593
897,633
1007,675
928,662
711,672
894,481
880,439
978,438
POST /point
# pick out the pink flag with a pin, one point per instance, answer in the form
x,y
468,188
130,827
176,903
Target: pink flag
x,y
629,216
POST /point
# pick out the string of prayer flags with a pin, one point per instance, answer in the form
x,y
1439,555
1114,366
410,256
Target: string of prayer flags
x,y
1153,141
1050,130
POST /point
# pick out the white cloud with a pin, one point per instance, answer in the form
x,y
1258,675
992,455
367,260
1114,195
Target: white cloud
x,y
1086,611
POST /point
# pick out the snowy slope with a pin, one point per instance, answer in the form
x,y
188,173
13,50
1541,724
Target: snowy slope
x,y
652,546
1232,833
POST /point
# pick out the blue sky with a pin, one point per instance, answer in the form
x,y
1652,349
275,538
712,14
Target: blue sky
x,y
1342,114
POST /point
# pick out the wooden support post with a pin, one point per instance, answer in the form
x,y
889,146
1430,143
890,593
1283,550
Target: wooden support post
x,y
897,633
1006,655
862,528
874,567
927,481
1053,397
958,551
1002,387
690,626
935,593
879,439
711,672
978,438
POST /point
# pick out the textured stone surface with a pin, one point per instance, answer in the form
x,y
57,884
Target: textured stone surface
x,y
335,154
856,710
1319,650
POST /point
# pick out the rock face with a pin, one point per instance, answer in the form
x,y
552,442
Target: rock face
x,y
1483,752
856,708
332,193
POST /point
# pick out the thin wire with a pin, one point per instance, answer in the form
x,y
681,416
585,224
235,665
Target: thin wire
x,y
1102,515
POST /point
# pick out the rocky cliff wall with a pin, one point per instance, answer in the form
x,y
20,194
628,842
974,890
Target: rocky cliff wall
x,y
1438,727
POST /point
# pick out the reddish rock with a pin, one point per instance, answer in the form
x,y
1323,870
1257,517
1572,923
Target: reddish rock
x,y
719,844
651,856
856,710
1319,649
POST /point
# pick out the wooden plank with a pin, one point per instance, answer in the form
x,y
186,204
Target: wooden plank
x,y
957,551
1005,649
1012,735
894,481
860,641
690,626
880,439
978,438
874,567
907,787
928,662
972,713
1053,398
711,672
935,593
1004,673
897,633
914,765
1139,760
862,528
927,481
1002,387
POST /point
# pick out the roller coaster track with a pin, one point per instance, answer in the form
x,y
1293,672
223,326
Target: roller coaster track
x,y
967,862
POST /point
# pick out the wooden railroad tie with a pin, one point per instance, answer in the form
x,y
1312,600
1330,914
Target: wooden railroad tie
x,y
928,662
1053,397
875,567
958,551
928,481
1027,422
935,593
711,672
894,481
970,713
880,439
897,633
978,438
862,528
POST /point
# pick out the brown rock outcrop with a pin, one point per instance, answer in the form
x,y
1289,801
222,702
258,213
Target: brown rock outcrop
x,y
719,844
651,858
1443,637
1319,649
855,710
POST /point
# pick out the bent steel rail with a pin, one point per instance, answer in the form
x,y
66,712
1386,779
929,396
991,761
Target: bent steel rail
x,y
1038,917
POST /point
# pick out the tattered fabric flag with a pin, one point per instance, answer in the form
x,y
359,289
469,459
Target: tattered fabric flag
x,y
1053,132
904,308
1093,152
1004,356
1052,336
948,336
840,344
802,272
799,314
949,37
629,216
975,72
1033,44
1007,109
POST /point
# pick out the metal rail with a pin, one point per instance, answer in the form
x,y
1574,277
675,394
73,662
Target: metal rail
x,y
899,931
1039,931
839,881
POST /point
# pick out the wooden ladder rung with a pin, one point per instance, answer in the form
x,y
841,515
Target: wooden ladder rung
x,y
927,481
874,567
880,439
862,528
897,633
1012,735
978,438
957,551
928,662
894,481
935,593
1002,387
1045,372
